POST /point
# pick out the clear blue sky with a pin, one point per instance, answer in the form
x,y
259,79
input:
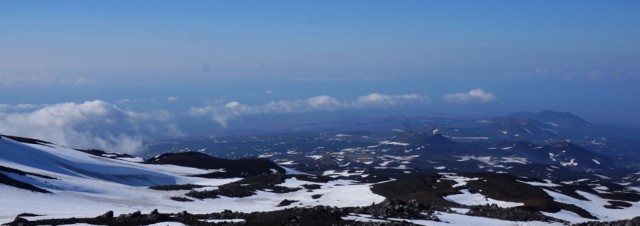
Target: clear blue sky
x,y
578,56
327,35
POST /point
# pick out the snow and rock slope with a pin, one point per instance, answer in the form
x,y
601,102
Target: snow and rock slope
x,y
51,181
77,184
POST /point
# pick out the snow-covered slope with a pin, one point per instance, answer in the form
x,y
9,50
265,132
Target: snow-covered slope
x,y
85,185
65,162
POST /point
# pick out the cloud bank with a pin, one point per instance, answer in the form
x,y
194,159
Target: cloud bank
x,y
92,124
223,113
473,96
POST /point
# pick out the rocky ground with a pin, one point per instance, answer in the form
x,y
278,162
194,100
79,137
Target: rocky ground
x,y
319,215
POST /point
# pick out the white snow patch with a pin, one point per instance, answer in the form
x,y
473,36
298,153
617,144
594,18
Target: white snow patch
x,y
483,159
595,206
552,124
400,158
224,220
570,163
602,176
269,155
468,198
363,218
601,188
168,223
344,173
293,171
547,183
460,180
393,143
520,160
567,216
507,148
314,157
448,219
467,138
460,210
133,159
287,163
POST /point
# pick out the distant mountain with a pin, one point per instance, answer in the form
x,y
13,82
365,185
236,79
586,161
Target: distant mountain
x,y
509,128
522,115
561,154
561,119
558,120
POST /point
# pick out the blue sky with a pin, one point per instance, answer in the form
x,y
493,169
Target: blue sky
x,y
177,57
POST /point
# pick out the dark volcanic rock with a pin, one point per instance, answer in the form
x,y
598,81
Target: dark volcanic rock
x,y
631,222
427,189
618,205
106,216
105,154
176,187
231,168
181,199
286,202
4,179
248,187
26,140
23,173
400,209
506,187
311,186
510,214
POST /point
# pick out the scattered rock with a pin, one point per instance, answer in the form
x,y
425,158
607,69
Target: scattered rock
x,y
510,214
286,202
180,199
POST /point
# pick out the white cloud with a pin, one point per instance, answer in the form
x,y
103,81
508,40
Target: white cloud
x,y
473,96
376,99
92,124
222,113
173,99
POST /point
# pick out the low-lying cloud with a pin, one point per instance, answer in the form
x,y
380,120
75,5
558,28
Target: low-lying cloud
x,y
224,112
92,124
473,96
